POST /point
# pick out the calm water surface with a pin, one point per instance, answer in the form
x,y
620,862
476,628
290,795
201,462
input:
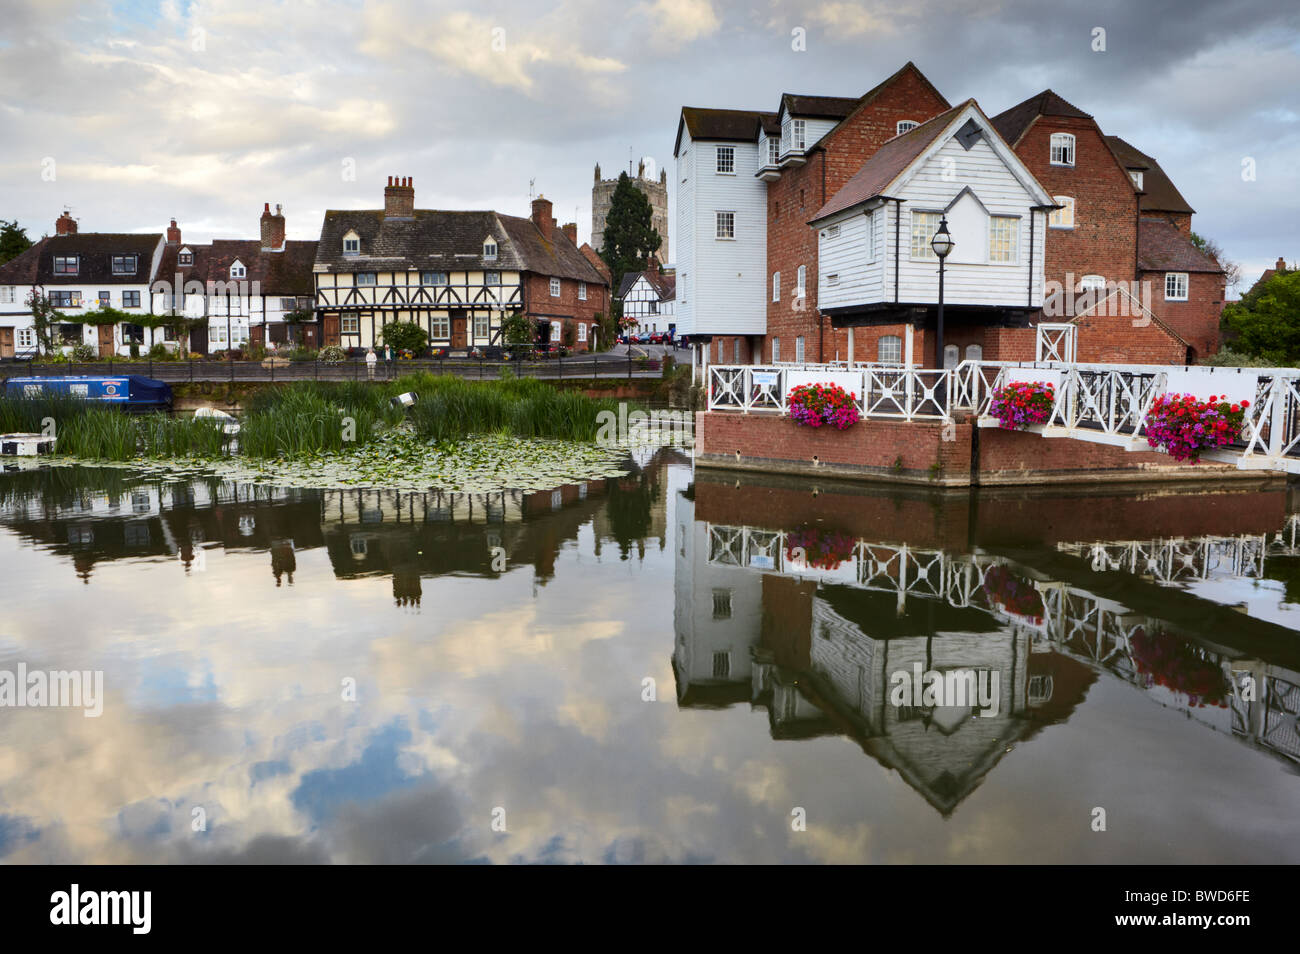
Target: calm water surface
x,y
655,669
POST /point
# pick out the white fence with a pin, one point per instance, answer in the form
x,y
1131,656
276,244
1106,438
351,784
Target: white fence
x,y
1101,403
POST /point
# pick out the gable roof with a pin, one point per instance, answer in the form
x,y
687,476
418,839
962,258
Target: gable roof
x,y
1012,123
664,286
287,272
892,160
1159,192
1163,248
96,251
556,256
22,268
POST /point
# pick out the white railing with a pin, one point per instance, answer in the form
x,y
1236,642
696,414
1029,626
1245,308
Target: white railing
x,y
1101,403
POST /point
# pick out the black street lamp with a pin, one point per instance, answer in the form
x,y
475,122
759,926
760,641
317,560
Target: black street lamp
x,y
942,244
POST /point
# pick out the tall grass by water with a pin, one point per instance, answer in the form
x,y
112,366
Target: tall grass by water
x,y
316,417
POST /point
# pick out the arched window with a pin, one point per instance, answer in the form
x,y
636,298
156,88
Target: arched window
x,y
974,352
889,349
905,125
951,356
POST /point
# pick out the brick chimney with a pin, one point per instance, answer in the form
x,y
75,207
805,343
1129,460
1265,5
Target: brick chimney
x,y
173,234
65,224
570,229
542,217
399,198
1281,262
652,266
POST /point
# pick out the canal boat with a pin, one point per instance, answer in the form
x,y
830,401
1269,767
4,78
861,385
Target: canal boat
x,y
134,392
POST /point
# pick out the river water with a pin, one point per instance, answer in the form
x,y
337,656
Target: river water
x,y
676,666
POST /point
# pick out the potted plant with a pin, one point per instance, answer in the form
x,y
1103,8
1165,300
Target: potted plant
x,y
1183,425
812,405
1021,403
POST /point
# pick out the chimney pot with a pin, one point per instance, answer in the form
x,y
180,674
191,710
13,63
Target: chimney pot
x,y
399,198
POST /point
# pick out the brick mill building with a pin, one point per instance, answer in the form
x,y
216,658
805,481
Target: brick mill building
x,y
752,185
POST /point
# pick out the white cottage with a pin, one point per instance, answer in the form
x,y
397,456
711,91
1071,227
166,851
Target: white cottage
x,y
650,297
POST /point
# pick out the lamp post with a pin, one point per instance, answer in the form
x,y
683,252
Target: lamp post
x,y
942,244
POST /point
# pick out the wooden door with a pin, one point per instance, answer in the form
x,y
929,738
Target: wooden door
x,y
331,325
255,336
308,335
6,342
458,330
106,341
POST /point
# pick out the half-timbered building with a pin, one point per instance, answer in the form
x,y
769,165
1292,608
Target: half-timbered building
x,y
649,297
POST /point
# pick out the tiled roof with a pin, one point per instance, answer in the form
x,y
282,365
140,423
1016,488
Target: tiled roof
x,y
431,239
665,286
22,268
725,125
288,272
557,257
1160,192
170,266
819,107
888,163
96,251
1163,248
1012,123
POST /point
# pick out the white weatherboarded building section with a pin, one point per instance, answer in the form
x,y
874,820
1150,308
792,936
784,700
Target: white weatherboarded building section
x,y
721,236
874,235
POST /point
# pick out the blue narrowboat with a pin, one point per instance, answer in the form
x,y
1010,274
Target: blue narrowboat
x,y
133,392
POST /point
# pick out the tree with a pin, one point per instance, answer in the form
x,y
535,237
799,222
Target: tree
x,y
13,240
404,336
1231,270
518,329
630,239
1266,321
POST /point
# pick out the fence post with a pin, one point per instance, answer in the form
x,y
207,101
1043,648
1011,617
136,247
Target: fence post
x,y
561,365
232,371
629,362
191,370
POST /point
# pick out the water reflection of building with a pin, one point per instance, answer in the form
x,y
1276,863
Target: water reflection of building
x,y
811,624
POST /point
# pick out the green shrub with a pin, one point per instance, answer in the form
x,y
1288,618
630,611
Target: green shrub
x,y
83,352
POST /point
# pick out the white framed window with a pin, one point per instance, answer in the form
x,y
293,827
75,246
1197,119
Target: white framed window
x,y
974,352
491,278
1175,286
1136,176
124,264
776,350
773,151
1092,282
800,283
776,286
726,162
440,326
490,249
556,328
1062,149
905,125
951,356
719,351
185,257
6,294
798,349
889,349
350,325
218,335
735,351
26,338
1004,239
797,134
66,264
726,225
924,225
351,245
1062,218
582,333
367,278
130,299
237,270
582,291
555,288
433,278
481,327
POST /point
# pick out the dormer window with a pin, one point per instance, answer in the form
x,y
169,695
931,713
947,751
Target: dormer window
x,y
905,125
352,244
66,264
490,249
185,257
237,270
1136,176
124,264
1062,149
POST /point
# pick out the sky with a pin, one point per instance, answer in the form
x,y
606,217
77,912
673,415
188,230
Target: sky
x,y
132,113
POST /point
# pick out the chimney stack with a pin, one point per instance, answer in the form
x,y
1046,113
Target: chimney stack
x,y
65,224
652,265
173,234
1281,263
571,230
399,198
542,216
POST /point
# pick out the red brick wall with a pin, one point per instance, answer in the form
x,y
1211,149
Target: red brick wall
x,y
1104,238
794,198
1012,456
1197,319
1116,339
568,309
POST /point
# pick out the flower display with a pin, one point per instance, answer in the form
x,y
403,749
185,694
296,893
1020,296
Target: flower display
x,y
1021,403
820,549
812,405
1013,593
1183,425
1163,659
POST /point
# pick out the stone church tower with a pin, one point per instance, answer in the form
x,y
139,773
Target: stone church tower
x,y
657,192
